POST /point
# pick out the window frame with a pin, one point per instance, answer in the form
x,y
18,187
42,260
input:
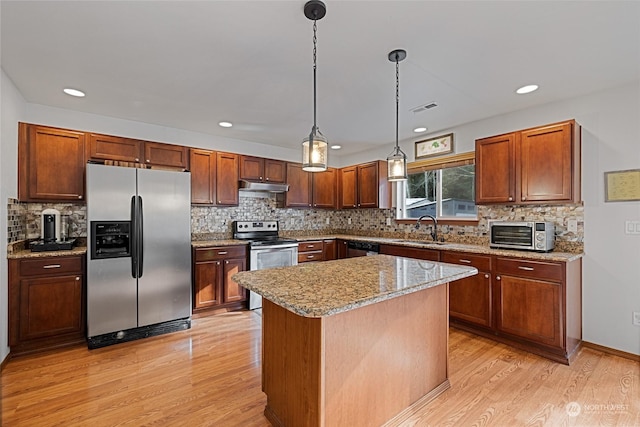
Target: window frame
x,y
461,159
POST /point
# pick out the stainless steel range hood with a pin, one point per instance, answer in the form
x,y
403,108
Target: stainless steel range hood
x,y
263,186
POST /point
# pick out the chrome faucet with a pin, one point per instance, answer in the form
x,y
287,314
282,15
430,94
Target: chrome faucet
x,y
434,232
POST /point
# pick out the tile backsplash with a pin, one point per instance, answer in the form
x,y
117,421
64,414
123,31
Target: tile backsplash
x,y
216,222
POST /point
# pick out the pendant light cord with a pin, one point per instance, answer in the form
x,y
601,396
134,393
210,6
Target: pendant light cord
x,y
397,97
315,40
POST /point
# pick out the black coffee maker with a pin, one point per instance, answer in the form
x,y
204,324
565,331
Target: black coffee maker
x,y
49,228
52,236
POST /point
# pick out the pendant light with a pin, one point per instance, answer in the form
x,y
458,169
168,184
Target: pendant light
x,y
397,160
314,147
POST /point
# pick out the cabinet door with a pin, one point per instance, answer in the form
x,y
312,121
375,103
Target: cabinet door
x,y
349,187
232,291
546,167
325,189
529,308
341,248
51,164
470,299
368,185
203,172
495,169
227,179
275,171
251,168
207,280
170,155
299,194
104,147
50,306
329,250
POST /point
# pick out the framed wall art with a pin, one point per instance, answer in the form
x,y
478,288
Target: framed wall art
x,y
622,186
442,144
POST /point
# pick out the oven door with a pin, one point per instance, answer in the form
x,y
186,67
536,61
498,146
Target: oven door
x,y
261,258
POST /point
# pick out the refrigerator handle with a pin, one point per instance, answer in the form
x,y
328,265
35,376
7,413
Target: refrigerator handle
x,y
140,238
134,240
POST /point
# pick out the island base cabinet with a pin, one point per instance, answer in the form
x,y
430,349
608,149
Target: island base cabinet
x,y
362,367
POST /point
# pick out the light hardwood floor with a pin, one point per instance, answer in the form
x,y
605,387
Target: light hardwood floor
x,y
210,376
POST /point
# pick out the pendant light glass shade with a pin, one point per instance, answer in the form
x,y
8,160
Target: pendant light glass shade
x,y
397,165
314,153
314,146
397,160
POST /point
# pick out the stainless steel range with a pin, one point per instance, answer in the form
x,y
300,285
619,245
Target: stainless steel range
x,y
266,249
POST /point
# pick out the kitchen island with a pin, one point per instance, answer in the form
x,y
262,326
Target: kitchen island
x,y
355,341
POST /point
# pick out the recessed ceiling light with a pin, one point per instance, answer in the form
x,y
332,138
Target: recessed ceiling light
x,y
420,129
336,147
73,92
527,89
225,124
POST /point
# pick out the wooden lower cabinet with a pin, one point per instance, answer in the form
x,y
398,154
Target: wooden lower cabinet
x,y
341,248
409,252
46,303
470,298
329,250
311,250
213,268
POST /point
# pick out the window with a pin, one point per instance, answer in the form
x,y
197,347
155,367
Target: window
x,y
444,188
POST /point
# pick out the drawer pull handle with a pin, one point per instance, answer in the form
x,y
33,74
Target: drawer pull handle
x,y
222,253
52,266
466,261
526,268
310,256
309,246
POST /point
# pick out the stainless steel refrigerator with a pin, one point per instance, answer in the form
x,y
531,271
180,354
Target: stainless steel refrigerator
x,y
139,253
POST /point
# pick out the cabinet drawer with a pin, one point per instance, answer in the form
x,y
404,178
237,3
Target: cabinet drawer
x,y
311,246
51,266
221,252
482,263
528,268
310,256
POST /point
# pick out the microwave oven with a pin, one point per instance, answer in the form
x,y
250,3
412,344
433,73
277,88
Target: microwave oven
x,y
524,235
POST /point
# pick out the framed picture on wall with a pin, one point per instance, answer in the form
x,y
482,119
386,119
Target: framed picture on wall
x,y
442,144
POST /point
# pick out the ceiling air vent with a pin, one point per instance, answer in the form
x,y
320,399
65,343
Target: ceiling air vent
x,y
424,107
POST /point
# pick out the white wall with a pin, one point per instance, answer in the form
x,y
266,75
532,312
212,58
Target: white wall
x,y
12,110
611,141
59,117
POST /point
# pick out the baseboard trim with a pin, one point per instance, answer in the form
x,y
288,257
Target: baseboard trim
x,y
5,361
613,351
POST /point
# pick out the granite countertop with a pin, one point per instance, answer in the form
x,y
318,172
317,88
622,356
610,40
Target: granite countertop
x,y
221,242
455,247
332,287
26,253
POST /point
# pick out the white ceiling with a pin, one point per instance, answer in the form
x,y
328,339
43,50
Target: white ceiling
x,y
189,65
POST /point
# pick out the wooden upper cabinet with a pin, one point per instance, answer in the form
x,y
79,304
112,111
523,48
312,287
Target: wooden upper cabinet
x,y
227,176
365,186
105,147
349,187
495,169
262,170
203,172
300,182
51,164
158,154
532,166
325,189
550,164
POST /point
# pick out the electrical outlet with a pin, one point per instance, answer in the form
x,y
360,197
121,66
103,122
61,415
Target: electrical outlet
x,y
349,221
327,221
388,221
636,318
632,227
572,226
